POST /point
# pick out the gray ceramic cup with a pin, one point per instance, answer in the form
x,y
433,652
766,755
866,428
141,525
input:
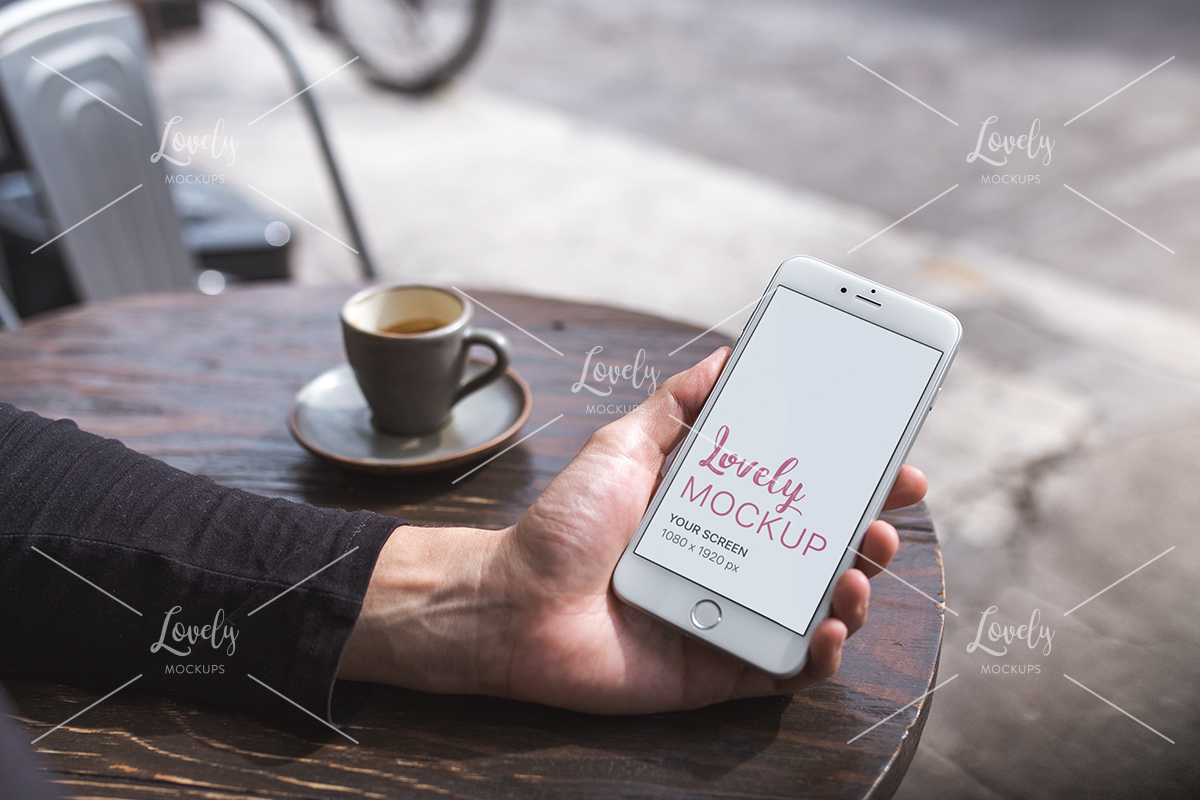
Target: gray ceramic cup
x,y
408,348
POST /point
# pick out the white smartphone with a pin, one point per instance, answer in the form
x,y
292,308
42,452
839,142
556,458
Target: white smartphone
x,y
788,462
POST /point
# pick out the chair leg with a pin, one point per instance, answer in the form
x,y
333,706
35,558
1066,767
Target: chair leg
x,y
268,20
8,314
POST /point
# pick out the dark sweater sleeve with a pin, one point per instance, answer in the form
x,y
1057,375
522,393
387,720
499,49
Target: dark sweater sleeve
x,y
187,578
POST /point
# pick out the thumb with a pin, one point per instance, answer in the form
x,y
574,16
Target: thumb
x,y
588,512
651,431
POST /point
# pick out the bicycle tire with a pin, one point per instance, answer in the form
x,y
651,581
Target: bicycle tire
x,y
437,73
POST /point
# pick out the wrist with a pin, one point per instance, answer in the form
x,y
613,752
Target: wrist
x,y
434,617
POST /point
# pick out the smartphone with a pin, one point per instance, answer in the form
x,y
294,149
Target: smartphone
x,y
788,462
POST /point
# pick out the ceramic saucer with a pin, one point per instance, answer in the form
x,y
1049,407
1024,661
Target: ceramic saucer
x,y
331,419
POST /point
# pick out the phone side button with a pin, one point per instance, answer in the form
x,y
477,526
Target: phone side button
x,y
706,614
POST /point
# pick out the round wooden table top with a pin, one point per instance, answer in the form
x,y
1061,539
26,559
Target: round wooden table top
x,y
205,383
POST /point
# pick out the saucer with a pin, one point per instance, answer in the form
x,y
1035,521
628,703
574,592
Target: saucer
x,y
331,419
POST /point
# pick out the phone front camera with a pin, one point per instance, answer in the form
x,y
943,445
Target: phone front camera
x,y
843,290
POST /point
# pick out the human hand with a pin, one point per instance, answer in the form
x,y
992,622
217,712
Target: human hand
x,y
529,613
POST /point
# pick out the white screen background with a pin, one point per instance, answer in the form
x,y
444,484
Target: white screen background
x,y
816,384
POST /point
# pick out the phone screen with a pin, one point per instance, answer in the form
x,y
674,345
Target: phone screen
x,y
769,493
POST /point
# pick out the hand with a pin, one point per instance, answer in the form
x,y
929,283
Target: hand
x,y
528,612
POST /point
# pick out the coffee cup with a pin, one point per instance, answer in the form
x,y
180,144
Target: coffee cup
x,y
408,347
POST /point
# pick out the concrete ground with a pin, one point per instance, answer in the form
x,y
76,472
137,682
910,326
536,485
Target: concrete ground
x,y
667,155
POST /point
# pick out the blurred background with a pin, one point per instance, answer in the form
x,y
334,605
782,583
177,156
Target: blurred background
x,y
667,155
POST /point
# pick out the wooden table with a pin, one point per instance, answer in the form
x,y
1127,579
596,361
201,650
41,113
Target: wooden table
x,y
205,383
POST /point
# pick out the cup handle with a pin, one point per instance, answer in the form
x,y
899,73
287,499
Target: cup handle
x,y
498,344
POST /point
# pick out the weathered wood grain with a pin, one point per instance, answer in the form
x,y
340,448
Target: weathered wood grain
x,y
205,383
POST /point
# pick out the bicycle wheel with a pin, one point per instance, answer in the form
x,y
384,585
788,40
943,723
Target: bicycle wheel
x,y
412,45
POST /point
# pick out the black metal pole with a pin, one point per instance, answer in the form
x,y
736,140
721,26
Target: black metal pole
x,y
259,12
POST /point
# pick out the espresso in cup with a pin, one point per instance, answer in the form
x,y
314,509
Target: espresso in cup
x,y
418,325
408,347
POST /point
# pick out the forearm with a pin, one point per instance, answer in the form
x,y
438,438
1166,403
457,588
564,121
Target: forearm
x,y
436,613
175,549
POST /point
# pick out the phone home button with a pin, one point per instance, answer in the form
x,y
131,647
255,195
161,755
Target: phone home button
x,y
706,614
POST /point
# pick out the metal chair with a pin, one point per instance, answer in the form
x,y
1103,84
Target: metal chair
x,y
73,78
